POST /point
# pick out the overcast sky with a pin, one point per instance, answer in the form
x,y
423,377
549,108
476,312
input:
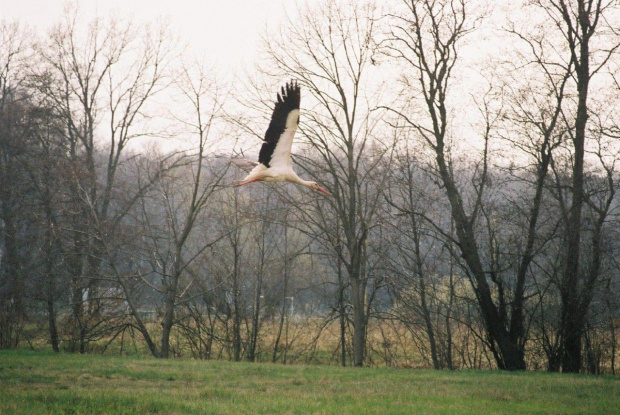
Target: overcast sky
x,y
227,31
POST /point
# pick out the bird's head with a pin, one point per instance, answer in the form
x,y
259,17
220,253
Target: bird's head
x,y
315,186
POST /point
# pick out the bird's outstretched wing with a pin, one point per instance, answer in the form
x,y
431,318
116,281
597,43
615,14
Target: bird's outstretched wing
x,y
239,161
244,164
276,149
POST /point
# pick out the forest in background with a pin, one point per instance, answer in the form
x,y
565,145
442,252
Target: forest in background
x,y
471,154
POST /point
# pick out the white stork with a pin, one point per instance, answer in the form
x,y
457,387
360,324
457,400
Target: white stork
x,y
274,159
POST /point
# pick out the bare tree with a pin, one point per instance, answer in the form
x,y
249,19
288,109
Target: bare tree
x,y
417,282
425,37
16,143
329,50
44,169
583,25
181,198
229,267
85,70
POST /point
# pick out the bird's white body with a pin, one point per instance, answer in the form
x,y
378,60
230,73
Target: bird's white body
x,y
275,173
272,174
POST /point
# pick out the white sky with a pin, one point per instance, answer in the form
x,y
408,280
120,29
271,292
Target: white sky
x,y
226,31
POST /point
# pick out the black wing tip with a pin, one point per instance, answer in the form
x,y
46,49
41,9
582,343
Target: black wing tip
x,y
291,85
290,93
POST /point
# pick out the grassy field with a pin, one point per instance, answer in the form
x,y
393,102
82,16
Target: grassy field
x,y
45,383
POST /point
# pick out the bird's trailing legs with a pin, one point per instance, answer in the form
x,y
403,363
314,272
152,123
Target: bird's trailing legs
x,y
244,182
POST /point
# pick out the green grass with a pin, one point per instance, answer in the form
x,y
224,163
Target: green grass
x,y
46,383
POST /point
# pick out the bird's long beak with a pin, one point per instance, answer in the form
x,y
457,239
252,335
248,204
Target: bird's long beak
x,y
325,192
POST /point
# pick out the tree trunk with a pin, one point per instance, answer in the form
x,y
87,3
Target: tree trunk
x,y
342,317
236,324
166,325
426,313
284,292
572,319
12,298
571,341
251,354
76,315
169,303
51,312
53,330
430,332
509,354
342,314
448,347
274,356
359,322
75,265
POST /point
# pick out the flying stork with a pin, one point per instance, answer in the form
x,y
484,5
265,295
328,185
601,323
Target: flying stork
x,y
274,159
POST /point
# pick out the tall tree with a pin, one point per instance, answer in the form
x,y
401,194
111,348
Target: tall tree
x,y
329,50
425,37
177,201
86,69
15,147
417,281
584,26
